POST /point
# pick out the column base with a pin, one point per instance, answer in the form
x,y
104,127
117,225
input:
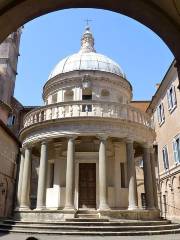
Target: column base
x,y
151,208
24,208
104,207
133,208
40,208
69,208
17,208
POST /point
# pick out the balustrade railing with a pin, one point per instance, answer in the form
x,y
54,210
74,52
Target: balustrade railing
x,y
87,109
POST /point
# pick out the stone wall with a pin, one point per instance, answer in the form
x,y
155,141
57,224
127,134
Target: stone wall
x,y
8,156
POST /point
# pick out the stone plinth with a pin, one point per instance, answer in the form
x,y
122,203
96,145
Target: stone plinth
x,y
62,215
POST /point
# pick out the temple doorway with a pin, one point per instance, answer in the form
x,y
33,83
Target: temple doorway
x,y
87,185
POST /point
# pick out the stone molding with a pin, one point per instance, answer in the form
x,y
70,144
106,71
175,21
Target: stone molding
x,y
84,127
76,80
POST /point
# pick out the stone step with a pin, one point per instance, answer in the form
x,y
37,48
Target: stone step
x,y
88,228
89,223
87,211
102,233
87,219
87,215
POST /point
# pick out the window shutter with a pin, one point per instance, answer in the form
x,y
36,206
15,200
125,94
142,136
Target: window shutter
x,y
175,151
162,114
178,149
169,99
164,162
158,114
167,160
174,96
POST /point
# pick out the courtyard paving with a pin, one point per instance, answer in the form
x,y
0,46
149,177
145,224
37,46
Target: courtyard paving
x,y
13,236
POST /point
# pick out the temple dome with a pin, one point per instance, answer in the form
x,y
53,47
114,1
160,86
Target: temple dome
x,y
87,59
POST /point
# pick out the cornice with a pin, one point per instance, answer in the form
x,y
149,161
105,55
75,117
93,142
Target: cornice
x,y
85,127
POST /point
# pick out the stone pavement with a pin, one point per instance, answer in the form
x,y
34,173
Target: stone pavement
x,y
14,236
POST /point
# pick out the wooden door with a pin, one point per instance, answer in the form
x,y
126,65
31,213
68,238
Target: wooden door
x,y
87,185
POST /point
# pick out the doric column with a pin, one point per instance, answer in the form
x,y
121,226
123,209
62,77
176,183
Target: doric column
x,y
148,183
103,204
41,192
26,179
152,153
132,184
69,204
20,178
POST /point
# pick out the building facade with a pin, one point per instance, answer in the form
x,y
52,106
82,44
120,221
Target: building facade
x,y
9,52
80,150
9,149
9,144
166,111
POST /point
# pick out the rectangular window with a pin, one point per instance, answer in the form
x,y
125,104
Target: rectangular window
x,y
171,97
122,167
160,113
11,120
87,95
165,158
176,148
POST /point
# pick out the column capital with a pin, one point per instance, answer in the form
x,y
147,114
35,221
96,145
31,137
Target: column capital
x,y
102,137
28,145
45,141
72,137
129,140
147,145
21,150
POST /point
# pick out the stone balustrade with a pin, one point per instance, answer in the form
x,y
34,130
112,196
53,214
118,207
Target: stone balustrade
x,y
87,109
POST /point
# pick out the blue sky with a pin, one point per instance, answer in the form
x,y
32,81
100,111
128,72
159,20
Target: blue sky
x,y
46,40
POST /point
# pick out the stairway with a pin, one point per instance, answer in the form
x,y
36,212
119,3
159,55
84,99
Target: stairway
x,y
92,226
87,216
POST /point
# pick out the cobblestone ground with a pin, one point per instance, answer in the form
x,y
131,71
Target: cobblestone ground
x,y
48,237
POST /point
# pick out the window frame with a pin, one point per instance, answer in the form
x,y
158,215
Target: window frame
x,y
160,113
176,151
171,98
54,98
11,120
